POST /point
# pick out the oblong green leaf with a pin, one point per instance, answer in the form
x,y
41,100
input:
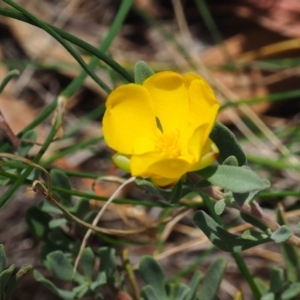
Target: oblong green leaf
x,y
108,262
63,294
87,263
220,206
261,285
5,276
212,279
221,238
148,293
235,179
276,280
59,265
193,285
290,253
38,222
141,72
57,223
25,146
269,296
100,280
2,258
227,144
282,234
179,292
15,280
152,274
292,291
253,221
60,179
231,161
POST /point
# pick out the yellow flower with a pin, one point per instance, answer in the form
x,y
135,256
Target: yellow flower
x,y
161,129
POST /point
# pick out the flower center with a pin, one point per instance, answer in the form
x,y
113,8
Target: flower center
x,y
167,143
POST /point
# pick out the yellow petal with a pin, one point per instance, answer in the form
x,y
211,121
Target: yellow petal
x,y
170,97
129,117
164,182
203,103
210,153
154,165
196,142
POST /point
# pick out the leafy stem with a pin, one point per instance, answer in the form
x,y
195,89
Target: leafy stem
x,y
253,210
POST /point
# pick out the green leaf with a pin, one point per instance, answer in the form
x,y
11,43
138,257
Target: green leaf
x,y
227,144
148,293
261,285
176,193
253,221
62,240
101,280
290,253
269,296
291,260
59,265
63,294
152,189
152,274
5,276
254,235
38,222
57,223
141,72
193,285
212,279
231,161
220,237
235,179
247,197
60,179
87,263
180,292
25,147
80,290
2,258
49,208
276,280
282,234
292,291
108,262
220,206
15,280
81,208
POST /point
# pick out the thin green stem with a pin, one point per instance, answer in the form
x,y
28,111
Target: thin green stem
x,y
65,44
73,86
20,179
237,256
7,78
211,25
76,41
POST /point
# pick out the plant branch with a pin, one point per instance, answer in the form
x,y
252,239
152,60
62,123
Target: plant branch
x,y
253,210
